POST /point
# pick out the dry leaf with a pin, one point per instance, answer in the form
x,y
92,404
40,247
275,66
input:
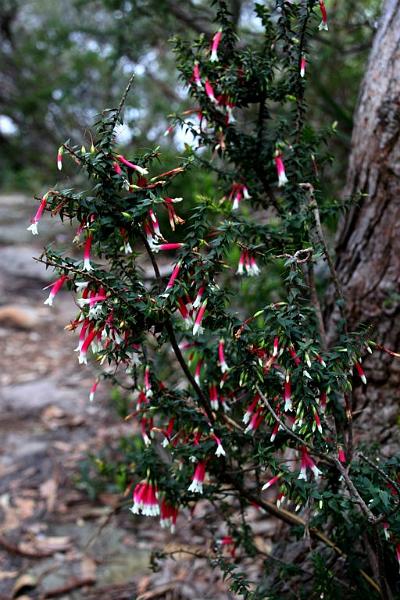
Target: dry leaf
x,y
7,574
88,568
46,545
48,490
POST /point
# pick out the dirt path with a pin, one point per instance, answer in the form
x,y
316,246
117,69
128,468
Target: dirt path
x,y
54,540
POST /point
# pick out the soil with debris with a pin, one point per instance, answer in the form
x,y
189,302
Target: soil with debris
x,y
54,541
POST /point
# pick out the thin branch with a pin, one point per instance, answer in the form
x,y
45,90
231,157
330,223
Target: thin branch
x,y
290,432
171,334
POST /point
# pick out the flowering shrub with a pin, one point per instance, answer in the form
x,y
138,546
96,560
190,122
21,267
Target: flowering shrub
x,y
230,402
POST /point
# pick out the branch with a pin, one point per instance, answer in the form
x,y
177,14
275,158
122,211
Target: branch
x,y
171,334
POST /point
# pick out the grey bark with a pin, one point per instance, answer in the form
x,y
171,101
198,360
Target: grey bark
x,y
368,244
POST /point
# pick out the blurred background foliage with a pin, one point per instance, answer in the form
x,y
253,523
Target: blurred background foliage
x,y
63,62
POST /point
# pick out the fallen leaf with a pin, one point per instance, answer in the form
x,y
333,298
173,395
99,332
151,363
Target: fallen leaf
x,y
7,574
88,568
48,491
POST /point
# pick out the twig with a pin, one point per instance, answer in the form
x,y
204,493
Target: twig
x,y
171,334
14,549
290,432
73,584
123,100
354,492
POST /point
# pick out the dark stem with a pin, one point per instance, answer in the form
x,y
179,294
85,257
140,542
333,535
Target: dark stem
x,y
171,334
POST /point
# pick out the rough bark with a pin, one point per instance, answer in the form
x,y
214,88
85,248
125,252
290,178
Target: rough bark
x,y
368,244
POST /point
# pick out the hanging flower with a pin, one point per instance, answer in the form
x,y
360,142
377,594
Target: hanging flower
x,y
168,246
55,288
33,227
145,500
250,409
317,420
86,253
60,153
324,22
210,92
287,394
168,515
275,347
196,74
197,328
173,218
341,455
198,478
280,169
174,275
93,390
199,296
303,64
214,46
360,372
220,450
147,382
308,463
293,354
214,397
255,421
86,345
221,356
185,313
197,371
238,192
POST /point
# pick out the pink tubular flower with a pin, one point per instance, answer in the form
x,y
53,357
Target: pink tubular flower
x,y
241,264
198,478
293,354
214,47
93,390
196,74
145,500
199,295
341,455
276,347
197,371
324,17
229,542
280,169
168,515
60,153
238,192
220,450
141,170
214,397
250,409
185,313
317,420
271,482
197,328
221,356
173,218
274,432
360,372
55,288
303,64
255,421
117,168
287,394
210,92
38,215
86,345
171,246
147,382
307,463
86,254
154,222
174,275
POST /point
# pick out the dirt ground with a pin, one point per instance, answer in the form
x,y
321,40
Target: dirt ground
x,y
54,541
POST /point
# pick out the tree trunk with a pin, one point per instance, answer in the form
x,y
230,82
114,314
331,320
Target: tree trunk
x,y
368,244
